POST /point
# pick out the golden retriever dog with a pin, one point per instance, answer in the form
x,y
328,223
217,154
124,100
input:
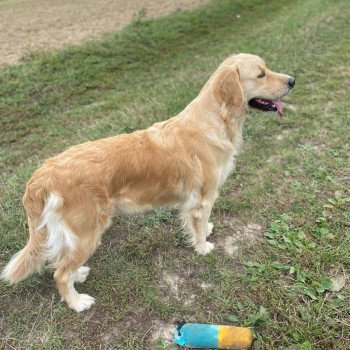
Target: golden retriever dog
x,y
181,162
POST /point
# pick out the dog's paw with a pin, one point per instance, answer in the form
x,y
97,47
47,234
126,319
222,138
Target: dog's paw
x,y
81,274
205,248
210,229
82,302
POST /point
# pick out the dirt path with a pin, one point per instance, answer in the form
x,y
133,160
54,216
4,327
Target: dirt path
x,y
49,24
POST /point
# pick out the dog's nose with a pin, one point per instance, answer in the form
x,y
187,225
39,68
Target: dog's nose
x,y
291,82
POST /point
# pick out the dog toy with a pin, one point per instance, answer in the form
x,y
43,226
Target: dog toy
x,y
207,336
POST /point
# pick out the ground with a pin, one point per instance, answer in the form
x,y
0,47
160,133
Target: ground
x,y
282,220
42,25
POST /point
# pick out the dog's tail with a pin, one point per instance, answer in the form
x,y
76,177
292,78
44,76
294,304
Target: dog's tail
x,y
31,258
22,264
49,236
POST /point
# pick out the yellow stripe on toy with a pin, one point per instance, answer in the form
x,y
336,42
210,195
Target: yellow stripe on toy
x,y
231,337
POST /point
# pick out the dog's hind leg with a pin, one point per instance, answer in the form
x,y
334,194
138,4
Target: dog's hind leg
x,y
74,233
68,271
81,274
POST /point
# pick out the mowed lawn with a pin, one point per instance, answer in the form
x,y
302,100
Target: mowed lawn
x,y
282,222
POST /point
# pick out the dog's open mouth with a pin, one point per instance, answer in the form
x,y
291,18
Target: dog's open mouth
x,y
267,105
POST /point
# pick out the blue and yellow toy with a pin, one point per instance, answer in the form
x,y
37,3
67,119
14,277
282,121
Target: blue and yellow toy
x,y
207,336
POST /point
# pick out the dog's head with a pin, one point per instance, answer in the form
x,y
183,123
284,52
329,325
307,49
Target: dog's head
x,y
243,80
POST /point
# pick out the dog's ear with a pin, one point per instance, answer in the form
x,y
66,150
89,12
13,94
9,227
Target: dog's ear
x,y
228,87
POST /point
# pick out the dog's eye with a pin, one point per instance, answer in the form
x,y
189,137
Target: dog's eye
x,y
261,75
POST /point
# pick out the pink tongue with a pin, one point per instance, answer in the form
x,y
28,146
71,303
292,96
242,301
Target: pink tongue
x,y
279,106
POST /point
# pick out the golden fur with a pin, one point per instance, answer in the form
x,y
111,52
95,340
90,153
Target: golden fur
x,y
180,162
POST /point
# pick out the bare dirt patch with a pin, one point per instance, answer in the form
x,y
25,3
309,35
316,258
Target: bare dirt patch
x,y
27,25
162,332
230,246
173,286
242,236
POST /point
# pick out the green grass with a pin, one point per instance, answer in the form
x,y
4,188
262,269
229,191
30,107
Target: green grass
x,y
291,181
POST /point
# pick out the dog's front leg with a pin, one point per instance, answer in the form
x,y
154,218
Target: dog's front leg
x,y
196,222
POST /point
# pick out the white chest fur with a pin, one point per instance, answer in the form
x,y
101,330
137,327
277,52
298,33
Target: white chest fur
x,y
236,142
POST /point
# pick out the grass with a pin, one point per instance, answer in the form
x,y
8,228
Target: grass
x,y
284,211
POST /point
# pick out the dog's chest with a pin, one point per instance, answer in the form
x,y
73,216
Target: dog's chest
x,y
227,168
228,163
